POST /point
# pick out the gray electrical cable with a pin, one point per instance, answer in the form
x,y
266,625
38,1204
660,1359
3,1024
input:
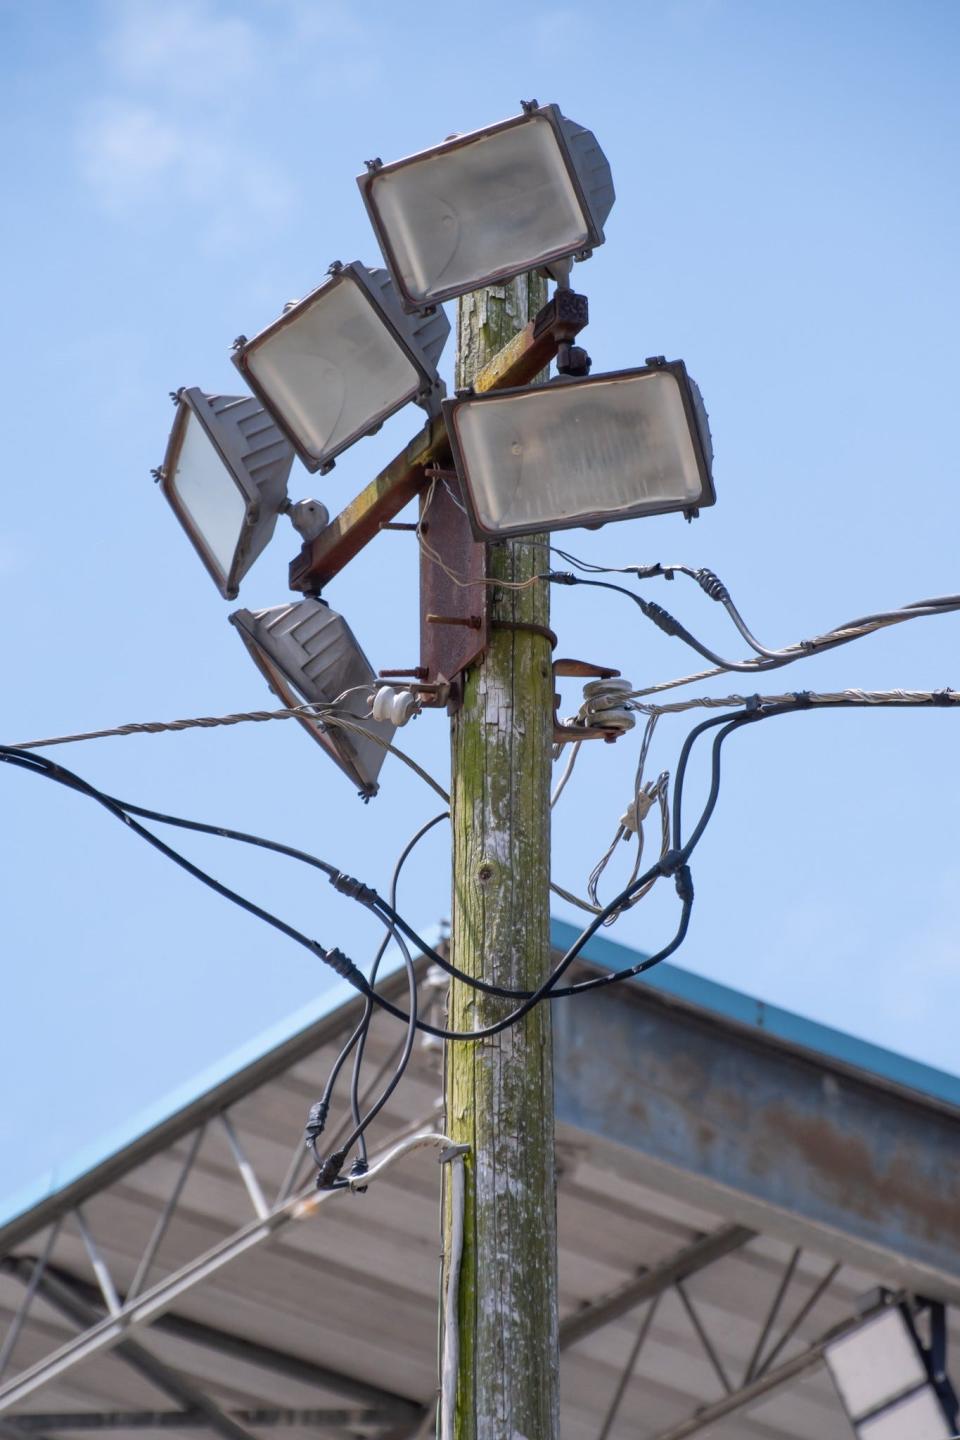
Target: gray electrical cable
x,y
451,1324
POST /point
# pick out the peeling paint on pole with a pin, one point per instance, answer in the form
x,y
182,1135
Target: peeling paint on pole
x,y
499,1092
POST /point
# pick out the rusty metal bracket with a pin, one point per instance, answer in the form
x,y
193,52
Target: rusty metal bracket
x,y
518,363
581,669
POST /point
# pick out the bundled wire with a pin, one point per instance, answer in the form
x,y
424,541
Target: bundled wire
x,y
767,659
674,862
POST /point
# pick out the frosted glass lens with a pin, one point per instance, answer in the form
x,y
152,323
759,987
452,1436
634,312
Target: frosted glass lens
x,y
603,449
875,1364
496,206
919,1417
333,370
209,494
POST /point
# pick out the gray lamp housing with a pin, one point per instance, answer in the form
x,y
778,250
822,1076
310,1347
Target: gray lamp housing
x,y
494,173
307,652
280,364
228,509
582,452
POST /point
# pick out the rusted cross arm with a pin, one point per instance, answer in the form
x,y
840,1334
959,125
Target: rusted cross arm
x,y
379,502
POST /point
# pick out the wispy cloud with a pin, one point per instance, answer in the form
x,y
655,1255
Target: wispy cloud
x,y
188,49
169,123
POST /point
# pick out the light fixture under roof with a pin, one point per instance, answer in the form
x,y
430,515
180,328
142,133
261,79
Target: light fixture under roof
x,y
338,363
307,652
893,1387
225,476
529,192
582,452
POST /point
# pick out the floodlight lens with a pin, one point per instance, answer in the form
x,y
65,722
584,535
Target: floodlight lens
x,y
495,206
583,452
334,371
875,1364
919,1417
209,494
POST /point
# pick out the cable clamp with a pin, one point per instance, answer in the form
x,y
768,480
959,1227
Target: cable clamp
x,y
354,889
450,1152
684,883
316,1121
751,705
343,965
944,697
712,585
562,577
803,698
329,1171
670,862
637,811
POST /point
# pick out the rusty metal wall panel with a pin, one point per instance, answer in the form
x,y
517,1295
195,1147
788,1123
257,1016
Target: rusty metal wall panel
x,y
797,1145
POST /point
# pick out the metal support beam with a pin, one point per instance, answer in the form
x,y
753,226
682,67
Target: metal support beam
x,y
263,1357
748,1395
795,1144
86,1420
175,1387
653,1282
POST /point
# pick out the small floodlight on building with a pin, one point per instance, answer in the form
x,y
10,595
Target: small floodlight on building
x,y
887,1381
582,452
341,361
527,193
307,652
225,476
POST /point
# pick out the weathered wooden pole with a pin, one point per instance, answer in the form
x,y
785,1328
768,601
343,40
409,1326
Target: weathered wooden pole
x,y
499,1092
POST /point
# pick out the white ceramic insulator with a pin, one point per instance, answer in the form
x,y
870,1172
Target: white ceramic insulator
x,y
405,705
611,718
383,704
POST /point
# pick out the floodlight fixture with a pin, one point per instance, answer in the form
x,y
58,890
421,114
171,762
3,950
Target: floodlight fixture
x,y
891,1387
531,192
338,363
582,452
225,476
308,653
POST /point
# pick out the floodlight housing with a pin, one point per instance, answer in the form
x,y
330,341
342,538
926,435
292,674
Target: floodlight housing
x,y
527,193
338,363
582,452
225,476
307,652
884,1380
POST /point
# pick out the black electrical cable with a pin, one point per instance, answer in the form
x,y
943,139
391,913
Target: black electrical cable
x,y
363,1027
768,659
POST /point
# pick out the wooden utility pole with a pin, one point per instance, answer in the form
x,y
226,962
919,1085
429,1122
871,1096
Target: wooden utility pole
x,y
499,1092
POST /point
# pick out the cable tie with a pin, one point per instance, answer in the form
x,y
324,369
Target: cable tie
x,y
358,1169
329,1171
684,883
943,697
316,1121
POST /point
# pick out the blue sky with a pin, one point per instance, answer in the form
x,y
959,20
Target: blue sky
x,y
786,221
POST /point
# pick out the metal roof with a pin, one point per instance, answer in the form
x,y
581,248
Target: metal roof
x,y
736,1173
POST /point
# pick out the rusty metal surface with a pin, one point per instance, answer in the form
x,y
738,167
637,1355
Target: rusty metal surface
x,y
454,618
814,1153
518,363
